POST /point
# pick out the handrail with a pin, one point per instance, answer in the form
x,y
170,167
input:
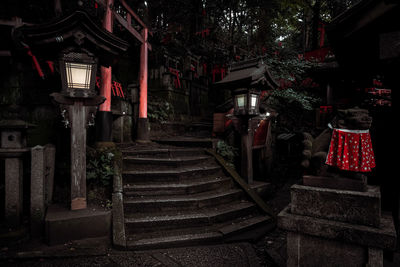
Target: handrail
x,y
246,188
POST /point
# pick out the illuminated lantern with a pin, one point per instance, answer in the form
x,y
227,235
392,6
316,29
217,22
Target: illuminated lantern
x,y
246,80
78,74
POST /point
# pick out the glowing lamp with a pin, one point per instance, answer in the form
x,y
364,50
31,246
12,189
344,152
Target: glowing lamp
x,y
246,102
78,74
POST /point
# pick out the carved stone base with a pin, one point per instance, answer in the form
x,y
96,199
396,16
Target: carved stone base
x,y
339,205
340,183
143,130
330,227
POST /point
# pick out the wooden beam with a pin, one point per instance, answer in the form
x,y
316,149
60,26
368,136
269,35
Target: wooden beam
x,y
133,14
124,23
132,30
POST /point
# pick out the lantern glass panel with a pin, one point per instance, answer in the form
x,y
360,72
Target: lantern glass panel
x,y
78,75
254,99
241,101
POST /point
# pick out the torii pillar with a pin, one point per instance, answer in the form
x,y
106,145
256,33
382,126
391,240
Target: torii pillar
x,y
143,124
104,115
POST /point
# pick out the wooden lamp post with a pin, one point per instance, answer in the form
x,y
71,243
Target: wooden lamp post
x,y
81,45
246,80
78,101
246,107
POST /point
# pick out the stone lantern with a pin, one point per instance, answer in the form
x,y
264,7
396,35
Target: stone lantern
x,y
246,80
12,148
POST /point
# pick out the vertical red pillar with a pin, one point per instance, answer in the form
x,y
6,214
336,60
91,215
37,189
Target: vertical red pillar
x,y
104,115
142,130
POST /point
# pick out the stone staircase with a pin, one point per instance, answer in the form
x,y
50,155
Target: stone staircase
x,y
179,196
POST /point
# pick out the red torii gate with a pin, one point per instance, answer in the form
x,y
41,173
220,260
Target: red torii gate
x,y
106,73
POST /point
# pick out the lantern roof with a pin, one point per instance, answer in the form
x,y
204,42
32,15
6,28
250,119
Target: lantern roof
x,y
74,30
12,118
249,73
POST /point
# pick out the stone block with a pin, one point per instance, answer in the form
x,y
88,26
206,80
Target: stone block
x,y
338,205
64,225
37,190
340,183
12,139
13,191
305,250
382,237
50,158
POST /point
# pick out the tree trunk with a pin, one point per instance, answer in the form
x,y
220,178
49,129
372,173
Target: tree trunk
x,y
315,23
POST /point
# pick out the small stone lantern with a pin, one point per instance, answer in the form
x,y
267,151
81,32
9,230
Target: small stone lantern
x,y
12,148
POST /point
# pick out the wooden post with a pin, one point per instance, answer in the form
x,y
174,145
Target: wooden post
x,y
78,155
329,94
247,152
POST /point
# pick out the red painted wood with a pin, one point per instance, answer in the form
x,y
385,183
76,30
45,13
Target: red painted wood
x,y
143,75
106,73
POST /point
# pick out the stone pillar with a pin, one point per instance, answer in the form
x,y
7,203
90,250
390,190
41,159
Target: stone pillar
x,y
12,148
38,169
50,160
13,190
332,227
42,177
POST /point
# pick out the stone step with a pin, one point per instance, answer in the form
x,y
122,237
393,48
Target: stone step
x,y
178,196
186,187
139,243
186,141
170,152
182,202
263,189
199,235
175,175
249,228
146,163
145,222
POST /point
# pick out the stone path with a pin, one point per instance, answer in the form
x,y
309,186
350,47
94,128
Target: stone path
x,y
75,254
270,251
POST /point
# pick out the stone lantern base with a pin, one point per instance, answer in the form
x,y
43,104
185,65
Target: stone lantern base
x,y
331,227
